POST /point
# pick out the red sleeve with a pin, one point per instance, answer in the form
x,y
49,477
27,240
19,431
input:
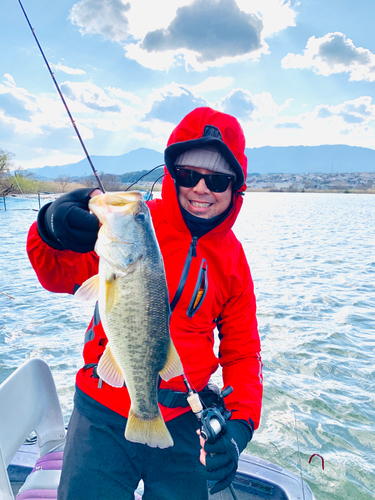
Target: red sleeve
x,y
240,348
59,271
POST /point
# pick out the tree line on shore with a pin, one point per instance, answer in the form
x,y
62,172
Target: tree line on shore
x,y
20,182
17,181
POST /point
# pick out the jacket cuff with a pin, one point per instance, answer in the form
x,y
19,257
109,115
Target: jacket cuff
x,y
43,230
240,431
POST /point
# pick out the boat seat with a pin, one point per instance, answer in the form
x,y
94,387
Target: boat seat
x,y
29,403
44,479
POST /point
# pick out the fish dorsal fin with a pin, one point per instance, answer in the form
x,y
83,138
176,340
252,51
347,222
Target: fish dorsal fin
x,y
173,366
89,290
109,370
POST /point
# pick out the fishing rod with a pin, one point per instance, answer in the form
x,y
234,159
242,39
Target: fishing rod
x,y
64,102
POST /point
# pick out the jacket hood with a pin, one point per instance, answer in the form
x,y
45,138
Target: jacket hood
x,y
201,127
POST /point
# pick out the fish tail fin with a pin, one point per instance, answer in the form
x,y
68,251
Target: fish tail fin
x,y
152,432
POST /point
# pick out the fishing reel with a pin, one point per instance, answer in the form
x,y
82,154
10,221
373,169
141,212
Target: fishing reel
x,y
213,419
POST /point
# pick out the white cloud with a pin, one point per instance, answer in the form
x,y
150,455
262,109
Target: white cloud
x,y
24,111
204,33
51,158
331,54
40,121
92,97
159,15
9,80
172,102
122,94
251,107
113,120
288,125
66,69
157,142
160,61
213,29
102,17
198,33
350,114
350,122
276,15
212,83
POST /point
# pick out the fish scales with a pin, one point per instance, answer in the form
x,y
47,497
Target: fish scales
x,y
138,323
134,310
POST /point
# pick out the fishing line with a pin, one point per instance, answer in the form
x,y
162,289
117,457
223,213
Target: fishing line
x,y
299,454
19,187
144,175
152,187
64,102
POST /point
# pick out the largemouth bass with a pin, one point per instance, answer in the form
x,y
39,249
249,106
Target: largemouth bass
x,y
134,310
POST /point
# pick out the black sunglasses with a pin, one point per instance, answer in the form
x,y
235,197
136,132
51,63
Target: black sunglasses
x,y
217,183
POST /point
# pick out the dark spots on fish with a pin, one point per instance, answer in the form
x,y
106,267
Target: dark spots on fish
x,y
145,413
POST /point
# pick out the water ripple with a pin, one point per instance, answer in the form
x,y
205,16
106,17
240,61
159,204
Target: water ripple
x,y
312,261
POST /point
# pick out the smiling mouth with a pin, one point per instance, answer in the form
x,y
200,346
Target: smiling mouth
x,y
200,205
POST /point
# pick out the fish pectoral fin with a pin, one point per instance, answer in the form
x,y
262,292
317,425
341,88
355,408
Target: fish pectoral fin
x,y
110,293
152,432
89,290
173,366
109,370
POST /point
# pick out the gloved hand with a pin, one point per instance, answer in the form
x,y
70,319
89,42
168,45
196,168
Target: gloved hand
x,y
221,458
66,224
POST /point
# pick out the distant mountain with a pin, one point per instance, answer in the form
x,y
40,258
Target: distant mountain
x,y
265,160
138,159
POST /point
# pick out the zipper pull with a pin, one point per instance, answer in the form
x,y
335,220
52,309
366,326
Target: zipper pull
x,y
194,243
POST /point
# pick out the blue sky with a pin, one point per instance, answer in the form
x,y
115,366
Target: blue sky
x,y
293,73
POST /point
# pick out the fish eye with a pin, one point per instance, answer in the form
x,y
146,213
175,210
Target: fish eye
x,y
140,216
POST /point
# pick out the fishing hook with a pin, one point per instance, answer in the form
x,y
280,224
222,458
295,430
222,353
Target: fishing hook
x,y
299,456
317,455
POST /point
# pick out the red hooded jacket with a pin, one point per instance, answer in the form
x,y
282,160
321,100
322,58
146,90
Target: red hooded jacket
x,y
214,265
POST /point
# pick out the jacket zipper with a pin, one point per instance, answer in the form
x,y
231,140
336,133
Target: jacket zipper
x,y
191,253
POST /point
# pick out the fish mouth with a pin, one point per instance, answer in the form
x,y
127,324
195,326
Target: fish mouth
x,y
117,199
126,202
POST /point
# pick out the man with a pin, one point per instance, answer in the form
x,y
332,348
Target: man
x,y
210,286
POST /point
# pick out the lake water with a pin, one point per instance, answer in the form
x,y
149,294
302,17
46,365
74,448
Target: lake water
x,y
313,264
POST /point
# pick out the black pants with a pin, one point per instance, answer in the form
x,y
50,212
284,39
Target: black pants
x,y
100,464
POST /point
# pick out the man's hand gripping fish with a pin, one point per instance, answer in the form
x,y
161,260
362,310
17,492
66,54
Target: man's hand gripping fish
x,y
134,309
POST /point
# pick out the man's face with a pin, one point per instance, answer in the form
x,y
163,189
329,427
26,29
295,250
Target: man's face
x,y
202,202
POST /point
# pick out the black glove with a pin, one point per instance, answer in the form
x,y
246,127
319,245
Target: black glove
x,y
66,224
222,465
